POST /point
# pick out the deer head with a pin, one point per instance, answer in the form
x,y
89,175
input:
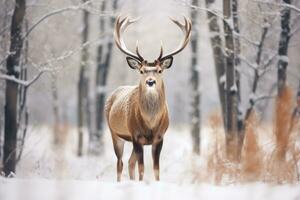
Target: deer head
x,y
150,71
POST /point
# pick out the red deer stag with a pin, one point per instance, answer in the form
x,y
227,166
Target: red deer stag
x,y
139,113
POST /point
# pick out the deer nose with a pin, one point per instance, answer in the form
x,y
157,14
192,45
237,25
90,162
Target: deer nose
x,y
150,82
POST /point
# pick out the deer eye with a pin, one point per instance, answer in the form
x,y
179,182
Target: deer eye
x,y
160,71
141,71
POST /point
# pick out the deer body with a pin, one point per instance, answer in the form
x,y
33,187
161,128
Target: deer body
x,y
139,114
129,107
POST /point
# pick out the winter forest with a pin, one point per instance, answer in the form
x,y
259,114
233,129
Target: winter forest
x,y
212,111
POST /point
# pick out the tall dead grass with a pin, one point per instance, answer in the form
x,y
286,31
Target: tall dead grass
x,y
251,161
268,154
219,167
283,113
282,163
60,138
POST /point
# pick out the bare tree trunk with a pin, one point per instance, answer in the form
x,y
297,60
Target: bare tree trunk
x,y
56,112
256,72
216,43
231,87
283,46
3,45
103,64
83,84
195,79
23,115
11,92
237,64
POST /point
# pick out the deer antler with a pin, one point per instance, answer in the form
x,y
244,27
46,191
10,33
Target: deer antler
x,y
120,27
186,29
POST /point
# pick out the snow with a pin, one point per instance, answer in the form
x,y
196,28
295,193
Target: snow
x,y
284,58
223,79
233,88
73,189
252,97
101,89
55,172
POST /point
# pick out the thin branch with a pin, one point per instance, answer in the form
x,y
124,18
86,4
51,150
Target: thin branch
x,y
293,32
58,11
215,13
4,59
4,29
284,5
72,8
265,97
251,65
255,43
72,52
22,82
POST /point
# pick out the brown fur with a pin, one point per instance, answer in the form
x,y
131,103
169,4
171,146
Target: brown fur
x,y
140,115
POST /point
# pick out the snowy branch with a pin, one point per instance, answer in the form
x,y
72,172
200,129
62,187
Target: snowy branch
x,y
69,53
215,13
284,5
255,43
293,32
265,97
251,65
58,11
23,82
2,31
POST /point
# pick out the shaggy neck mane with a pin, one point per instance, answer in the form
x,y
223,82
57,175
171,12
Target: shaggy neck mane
x,y
151,102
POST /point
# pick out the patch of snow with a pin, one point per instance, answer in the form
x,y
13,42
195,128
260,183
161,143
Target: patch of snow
x,y
233,88
252,97
284,59
223,79
37,189
101,89
51,172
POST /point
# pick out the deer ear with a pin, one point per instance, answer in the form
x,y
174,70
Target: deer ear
x,y
166,62
133,63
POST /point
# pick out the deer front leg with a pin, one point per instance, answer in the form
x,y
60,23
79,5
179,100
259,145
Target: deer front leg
x,y
156,149
131,165
139,152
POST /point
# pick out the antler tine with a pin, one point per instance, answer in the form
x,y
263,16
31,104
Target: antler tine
x,y
161,51
137,50
120,27
186,28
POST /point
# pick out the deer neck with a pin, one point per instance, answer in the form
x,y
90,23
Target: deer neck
x,y
151,104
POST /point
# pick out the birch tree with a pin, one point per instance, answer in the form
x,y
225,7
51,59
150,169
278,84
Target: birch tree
x,y
83,84
218,55
283,46
231,87
237,64
104,53
195,80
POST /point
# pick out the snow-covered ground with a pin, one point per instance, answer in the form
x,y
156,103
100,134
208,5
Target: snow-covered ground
x,y
52,172
92,189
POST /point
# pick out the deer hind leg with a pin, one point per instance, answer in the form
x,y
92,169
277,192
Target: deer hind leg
x,y
156,149
119,148
131,165
139,152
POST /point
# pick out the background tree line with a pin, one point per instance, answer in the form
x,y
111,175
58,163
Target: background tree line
x,y
250,42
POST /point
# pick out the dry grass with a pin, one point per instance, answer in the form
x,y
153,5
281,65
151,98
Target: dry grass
x,y
251,162
268,155
218,166
60,137
282,164
283,113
